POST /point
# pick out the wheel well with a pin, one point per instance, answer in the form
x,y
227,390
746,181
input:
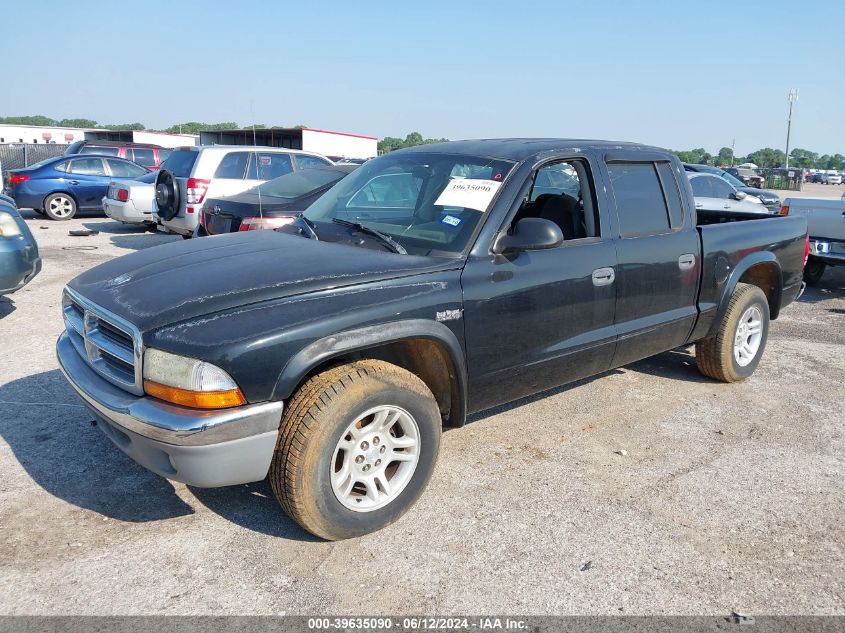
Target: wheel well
x,y
427,359
765,276
52,193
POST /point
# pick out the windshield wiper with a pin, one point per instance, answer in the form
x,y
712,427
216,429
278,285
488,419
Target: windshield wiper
x,y
306,226
396,246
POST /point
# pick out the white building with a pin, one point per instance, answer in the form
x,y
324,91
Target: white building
x,y
332,144
40,134
67,135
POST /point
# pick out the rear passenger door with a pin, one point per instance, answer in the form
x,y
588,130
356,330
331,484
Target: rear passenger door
x,y
657,256
88,181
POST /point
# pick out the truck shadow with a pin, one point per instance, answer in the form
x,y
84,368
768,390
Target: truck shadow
x,y
254,507
831,286
56,442
133,237
7,306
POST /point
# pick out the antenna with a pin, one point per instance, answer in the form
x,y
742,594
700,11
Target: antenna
x,y
258,163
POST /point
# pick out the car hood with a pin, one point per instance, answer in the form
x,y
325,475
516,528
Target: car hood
x,y
248,204
759,193
183,280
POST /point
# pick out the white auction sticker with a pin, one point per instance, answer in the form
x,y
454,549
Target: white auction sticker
x,y
468,193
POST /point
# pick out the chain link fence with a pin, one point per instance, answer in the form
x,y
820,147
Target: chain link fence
x,y
17,155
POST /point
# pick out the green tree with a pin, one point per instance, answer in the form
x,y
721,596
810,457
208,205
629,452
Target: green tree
x,y
123,126
768,157
390,143
38,119
802,158
725,156
194,127
78,123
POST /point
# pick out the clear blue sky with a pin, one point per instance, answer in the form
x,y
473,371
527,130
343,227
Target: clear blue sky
x,y
675,73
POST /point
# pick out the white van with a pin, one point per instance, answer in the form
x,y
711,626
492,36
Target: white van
x,y
216,171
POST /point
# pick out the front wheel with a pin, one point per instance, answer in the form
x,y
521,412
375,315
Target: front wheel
x,y
59,206
813,271
357,446
734,352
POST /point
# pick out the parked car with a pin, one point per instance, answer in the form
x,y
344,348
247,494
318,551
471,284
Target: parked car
x,y
826,227
19,258
63,185
271,204
131,201
819,177
833,179
218,171
146,155
713,193
440,284
748,176
769,198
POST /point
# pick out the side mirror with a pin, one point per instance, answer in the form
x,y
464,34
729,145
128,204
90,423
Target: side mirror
x,y
739,195
530,234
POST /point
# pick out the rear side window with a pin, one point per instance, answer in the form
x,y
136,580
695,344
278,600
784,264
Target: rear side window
x,y
124,169
87,167
701,187
163,154
61,166
233,165
180,163
639,199
144,157
673,194
102,151
305,161
269,166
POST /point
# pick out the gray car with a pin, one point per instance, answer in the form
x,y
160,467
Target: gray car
x,y
19,259
716,194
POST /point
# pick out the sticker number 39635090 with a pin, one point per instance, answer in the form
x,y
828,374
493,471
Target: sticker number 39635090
x,y
468,193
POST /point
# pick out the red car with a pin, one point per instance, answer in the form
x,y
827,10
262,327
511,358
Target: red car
x,y
148,156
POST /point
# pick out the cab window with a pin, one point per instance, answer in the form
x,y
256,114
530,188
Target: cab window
x,y
233,165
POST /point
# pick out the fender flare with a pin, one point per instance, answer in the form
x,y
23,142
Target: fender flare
x,y
742,267
360,339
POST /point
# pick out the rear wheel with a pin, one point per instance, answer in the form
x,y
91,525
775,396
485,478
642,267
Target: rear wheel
x,y
813,271
59,206
735,351
357,447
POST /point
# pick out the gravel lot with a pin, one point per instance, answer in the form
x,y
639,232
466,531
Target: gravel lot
x,y
729,497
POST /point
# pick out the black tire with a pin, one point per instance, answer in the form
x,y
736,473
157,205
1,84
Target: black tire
x,y
167,195
59,206
813,271
715,356
39,211
318,416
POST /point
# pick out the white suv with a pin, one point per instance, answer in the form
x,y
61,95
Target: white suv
x,y
216,171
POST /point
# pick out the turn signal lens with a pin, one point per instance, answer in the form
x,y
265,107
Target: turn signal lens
x,y
784,210
195,399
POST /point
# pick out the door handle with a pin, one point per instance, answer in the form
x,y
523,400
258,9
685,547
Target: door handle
x,y
699,205
686,261
603,276
73,182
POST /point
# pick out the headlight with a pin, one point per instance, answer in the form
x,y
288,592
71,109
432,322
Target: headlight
x,y
8,226
189,382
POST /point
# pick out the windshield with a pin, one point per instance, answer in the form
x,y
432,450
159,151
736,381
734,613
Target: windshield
x,y
429,203
180,163
298,183
736,182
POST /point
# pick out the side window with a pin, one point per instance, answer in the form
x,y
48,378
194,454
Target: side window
x,y
61,166
233,165
144,157
640,204
268,166
124,169
673,194
304,161
721,189
701,187
163,154
557,178
87,167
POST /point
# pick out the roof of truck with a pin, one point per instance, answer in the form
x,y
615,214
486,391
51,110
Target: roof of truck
x,y
520,148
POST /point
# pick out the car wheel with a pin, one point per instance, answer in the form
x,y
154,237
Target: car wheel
x,y
813,271
59,206
735,351
357,446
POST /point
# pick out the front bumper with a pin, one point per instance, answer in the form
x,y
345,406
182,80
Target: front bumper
x,y
201,448
19,263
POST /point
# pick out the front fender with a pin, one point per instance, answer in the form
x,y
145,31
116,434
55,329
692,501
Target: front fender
x,y
360,339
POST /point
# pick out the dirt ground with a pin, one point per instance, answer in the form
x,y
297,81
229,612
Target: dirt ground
x,y
728,497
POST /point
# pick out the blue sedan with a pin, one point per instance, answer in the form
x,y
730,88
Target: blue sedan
x,y
19,259
59,187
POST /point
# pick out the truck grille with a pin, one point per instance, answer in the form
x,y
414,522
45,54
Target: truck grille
x,y
110,345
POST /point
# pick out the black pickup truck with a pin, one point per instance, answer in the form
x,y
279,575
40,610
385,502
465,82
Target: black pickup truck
x,y
431,283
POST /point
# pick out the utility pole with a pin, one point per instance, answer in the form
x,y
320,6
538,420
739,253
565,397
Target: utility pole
x,y
793,97
733,151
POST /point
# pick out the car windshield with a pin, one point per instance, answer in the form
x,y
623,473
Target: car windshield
x,y
429,203
180,163
736,182
298,183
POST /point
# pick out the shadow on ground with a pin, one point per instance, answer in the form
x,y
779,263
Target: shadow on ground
x,y
133,237
7,306
830,286
53,438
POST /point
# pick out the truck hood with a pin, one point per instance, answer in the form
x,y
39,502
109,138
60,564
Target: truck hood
x,y
183,280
